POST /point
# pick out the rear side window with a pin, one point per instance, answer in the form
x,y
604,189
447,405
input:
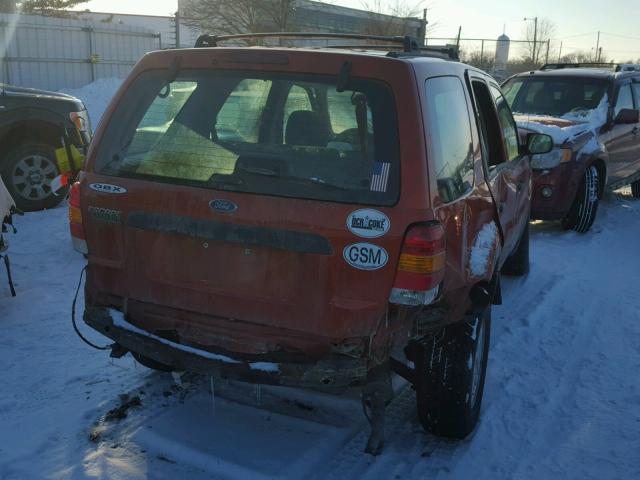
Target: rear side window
x,y
636,91
263,133
507,125
625,99
449,136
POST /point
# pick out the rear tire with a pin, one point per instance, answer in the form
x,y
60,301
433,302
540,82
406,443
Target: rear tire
x,y
517,264
151,363
584,208
450,374
635,189
27,173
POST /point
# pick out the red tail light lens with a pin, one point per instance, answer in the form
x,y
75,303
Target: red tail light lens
x,y
75,219
421,264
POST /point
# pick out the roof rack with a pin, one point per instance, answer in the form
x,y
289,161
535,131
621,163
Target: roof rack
x,y
628,67
560,66
408,43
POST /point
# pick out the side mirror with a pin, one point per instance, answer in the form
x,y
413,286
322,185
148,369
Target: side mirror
x,y
627,116
538,143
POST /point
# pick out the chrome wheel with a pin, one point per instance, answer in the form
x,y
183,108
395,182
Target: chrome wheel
x,y
32,176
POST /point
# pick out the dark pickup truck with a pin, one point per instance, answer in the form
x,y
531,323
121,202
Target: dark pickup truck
x,y
33,124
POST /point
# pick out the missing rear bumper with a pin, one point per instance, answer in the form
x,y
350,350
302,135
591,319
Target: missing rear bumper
x,y
332,372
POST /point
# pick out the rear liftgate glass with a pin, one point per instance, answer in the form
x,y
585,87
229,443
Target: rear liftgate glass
x,y
262,133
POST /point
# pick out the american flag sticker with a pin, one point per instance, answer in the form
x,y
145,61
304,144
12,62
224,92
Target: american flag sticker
x,y
380,177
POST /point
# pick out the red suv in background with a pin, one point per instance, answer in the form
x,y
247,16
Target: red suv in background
x,y
592,114
310,217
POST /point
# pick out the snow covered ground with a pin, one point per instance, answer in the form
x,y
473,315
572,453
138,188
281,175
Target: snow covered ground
x,y
562,398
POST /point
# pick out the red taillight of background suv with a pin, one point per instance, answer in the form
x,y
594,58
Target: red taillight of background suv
x,y
75,220
421,266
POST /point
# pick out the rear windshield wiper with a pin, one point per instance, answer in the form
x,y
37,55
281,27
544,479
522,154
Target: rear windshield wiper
x,y
271,173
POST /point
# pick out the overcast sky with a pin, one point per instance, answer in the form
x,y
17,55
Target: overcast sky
x,y
576,21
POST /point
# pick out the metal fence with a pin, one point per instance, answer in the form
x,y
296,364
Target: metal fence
x,y
54,53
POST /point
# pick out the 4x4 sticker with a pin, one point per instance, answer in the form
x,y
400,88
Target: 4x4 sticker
x,y
365,256
107,188
368,223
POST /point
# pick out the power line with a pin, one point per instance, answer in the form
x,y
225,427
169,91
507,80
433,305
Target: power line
x,y
620,36
578,35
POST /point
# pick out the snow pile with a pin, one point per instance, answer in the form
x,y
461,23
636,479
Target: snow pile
x,y
567,127
96,96
482,249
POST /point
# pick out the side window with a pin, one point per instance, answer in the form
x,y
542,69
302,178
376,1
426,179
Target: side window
x,y
449,136
636,92
507,125
297,100
239,118
341,112
625,99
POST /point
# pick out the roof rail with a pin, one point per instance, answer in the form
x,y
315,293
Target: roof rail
x,y
628,67
560,66
408,43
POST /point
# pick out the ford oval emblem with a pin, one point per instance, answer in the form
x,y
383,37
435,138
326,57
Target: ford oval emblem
x,y
223,206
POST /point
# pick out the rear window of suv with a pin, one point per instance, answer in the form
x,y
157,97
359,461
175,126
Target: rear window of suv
x,y
263,133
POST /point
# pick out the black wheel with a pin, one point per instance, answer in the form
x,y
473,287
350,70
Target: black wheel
x,y
450,373
151,363
584,208
27,173
635,189
518,262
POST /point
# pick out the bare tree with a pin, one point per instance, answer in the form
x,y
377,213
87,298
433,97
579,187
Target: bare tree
x,y
477,58
230,17
391,18
537,39
48,7
583,56
8,6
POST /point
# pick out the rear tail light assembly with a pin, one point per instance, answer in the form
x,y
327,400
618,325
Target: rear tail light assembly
x,y
75,220
421,266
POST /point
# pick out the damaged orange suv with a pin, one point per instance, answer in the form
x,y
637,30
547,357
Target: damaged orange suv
x,y
315,217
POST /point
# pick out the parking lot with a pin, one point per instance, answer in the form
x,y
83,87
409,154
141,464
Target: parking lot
x,y
562,396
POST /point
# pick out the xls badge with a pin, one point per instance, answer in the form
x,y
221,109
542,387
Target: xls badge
x,y
106,215
368,223
365,256
107,188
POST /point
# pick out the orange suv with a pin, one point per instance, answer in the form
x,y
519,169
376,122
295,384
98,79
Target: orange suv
x,y
316,217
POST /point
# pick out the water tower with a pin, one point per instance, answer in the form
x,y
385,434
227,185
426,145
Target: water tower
x,y
502,52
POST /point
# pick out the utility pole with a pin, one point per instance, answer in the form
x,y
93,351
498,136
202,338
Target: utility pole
x,y
458,39
560,52
546,57
598,48
535,37
424,28
177,28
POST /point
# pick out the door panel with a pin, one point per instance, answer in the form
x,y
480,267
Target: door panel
x,y
509,175
622,141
